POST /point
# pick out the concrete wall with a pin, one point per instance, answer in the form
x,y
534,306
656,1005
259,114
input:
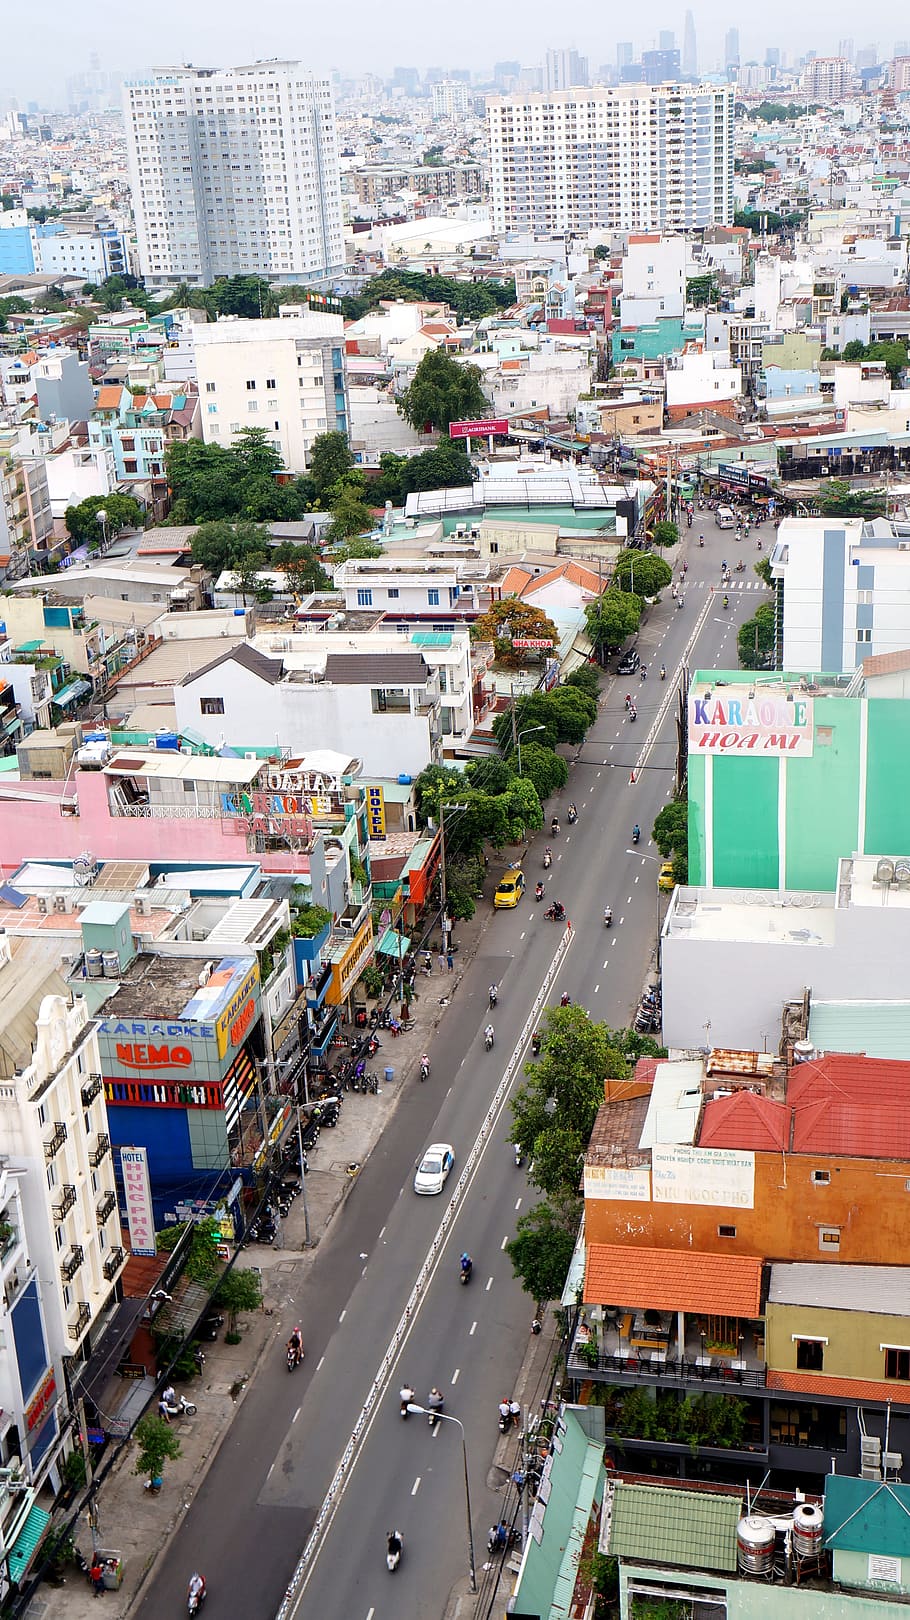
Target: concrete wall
x,y
854,1339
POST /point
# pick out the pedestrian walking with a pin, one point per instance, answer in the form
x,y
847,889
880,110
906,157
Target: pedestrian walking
x,y
515,1413
442,961
96,1576
450,961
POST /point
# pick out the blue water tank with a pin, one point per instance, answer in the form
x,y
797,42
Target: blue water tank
x,y
240,613
404,780
168,740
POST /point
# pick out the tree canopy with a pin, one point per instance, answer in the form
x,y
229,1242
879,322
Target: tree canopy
x,y
330,460
554,1109
220,545
839,499
614,617
510,619
641,572
441,391
541,1250
469,299
671,835
121,512
755,639
892,351
213,481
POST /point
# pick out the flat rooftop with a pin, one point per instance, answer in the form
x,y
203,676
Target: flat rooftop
x,y
867,880
713,914
169,986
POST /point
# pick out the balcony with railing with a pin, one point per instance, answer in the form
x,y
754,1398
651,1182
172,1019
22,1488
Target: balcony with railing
x,y
82,1320
113,1263
100,1151
105,1208
65,1201
73,1261
91,1089
55,1142
644,1347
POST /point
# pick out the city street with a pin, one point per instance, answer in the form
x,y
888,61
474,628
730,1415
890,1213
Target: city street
x,y
249,1523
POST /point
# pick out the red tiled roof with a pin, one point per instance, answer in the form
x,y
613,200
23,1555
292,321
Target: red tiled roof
x,y
646,1069
849,1389
515,581
852,1105
109,397
673,1280
745,1120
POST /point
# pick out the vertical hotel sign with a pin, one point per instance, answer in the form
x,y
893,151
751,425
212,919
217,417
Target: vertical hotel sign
x,y
134,1165
376,811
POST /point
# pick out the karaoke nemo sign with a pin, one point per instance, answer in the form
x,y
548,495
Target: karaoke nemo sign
x,y
734,722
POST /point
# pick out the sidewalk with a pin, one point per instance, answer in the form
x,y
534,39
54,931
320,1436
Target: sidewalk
x,y
138,1525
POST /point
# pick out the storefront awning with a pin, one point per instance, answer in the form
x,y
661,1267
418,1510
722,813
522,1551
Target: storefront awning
x,y
71,692
673,1280
23,1549
110,1349
393,944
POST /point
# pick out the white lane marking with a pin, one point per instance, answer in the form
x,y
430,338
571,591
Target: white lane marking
x,y
522,934
606,961
319,1362
269,1474
622,919
504,1241
342,1316
436,1431
416,1486
472,1330
600,773
364,1272
296,1415
455,1375
370,1613
382,1234
596,988
489,1285
518,1203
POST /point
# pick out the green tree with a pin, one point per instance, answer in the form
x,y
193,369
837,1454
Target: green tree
x,y
157,1444
665,533
755,639
240,1290
330,460
121,512
510,619
442,391
586,678
892,351
541,1250
469,300
702,290
641,572
356,548
388,485
546,769
563,716
447,466
258,458
217,546
838,499
350,513
763,570
553,1111
611,620
464,883
247,578
671,835
302,566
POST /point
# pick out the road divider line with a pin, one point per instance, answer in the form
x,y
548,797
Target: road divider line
x,y
455,1375
518,1203
504,1242
416,1486
472,1330
489,1285
330,1504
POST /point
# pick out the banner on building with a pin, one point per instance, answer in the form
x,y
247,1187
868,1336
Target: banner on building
x,y
138,1194
612,1182
691,1175
376,811
479,430
731,721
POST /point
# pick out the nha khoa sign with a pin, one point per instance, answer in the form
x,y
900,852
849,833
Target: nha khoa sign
x,y
730,721
535,642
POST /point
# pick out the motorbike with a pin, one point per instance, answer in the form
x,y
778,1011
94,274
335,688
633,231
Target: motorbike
x,y
538,892
740,567
294,1356
493,996
663,672
701,539
434,1402
547,860
505,1422
726,601
633,713
572,817
424,1068
535,1045
636,833
519,1157
394,1549
500,1537
180,1407
608,917
465,1273
405,1395
554,828
195,1596
488,1039
556,912
679,601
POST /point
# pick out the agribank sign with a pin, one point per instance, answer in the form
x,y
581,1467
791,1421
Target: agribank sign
x,y
724,723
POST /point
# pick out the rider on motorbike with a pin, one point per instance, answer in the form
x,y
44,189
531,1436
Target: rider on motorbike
x,y
663,672
489,1034
636,833
295,1345
196,1590
467,1264
493,994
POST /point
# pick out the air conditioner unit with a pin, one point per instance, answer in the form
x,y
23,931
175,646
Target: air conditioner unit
x,y
61,902
893,1462
141,905
869,1473
42,904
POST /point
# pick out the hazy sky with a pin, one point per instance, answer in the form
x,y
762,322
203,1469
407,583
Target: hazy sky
x,y
36,58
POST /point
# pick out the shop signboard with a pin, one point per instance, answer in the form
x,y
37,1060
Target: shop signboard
x,y
376,811
742,721
479,430
141,1222
198,1042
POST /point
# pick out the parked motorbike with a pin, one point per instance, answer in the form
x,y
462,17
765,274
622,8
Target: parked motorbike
x,y
505,1422
180,1407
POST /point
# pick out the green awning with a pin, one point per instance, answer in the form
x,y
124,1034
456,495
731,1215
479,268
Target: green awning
x,y
393,944
23,1549
70,692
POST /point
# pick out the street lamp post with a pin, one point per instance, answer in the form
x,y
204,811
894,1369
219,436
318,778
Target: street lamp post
x,y
526,733
659,858
446,1418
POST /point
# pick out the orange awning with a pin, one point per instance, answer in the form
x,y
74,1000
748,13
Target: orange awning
x,y
673,1280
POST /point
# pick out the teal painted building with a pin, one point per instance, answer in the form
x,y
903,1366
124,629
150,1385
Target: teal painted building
x,y
786,777
655,340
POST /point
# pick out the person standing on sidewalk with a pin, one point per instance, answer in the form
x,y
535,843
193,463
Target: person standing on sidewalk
x,y
450,961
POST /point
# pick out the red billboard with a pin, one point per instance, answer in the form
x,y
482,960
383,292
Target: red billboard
x,y
478,430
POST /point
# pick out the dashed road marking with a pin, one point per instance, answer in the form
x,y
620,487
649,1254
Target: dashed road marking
x,y
489,1285
472,1330
416,1486
455,1375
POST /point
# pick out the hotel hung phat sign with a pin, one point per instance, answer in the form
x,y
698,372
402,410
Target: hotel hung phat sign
x,y
731,722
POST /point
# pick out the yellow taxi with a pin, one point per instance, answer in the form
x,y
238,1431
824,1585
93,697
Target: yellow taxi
x,y
665,878
510,890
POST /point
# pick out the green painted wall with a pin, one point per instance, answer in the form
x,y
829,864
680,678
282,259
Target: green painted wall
x,y
888,777
854,1567
822,816
745,823
697,800
758,1600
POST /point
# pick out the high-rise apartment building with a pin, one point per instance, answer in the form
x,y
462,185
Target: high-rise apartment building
x,y
900,74
690,48
564,69
731,48
666,40
635,157
828,78
234,171
451,99
624,54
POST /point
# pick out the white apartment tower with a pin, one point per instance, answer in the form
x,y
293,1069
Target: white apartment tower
x,y
828,78
234,171
634,158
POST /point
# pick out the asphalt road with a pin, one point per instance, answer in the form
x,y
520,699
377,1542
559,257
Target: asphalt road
x,y
252,1516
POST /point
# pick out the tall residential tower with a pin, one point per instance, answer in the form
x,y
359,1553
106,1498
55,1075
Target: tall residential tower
x,y
635,158
234,171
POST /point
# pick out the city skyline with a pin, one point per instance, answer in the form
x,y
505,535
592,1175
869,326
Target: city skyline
x,y
78,39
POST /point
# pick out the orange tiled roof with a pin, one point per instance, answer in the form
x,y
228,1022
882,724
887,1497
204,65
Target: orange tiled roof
x,y
109,397
673,1280
514,581
575,573
745,1120
848,1389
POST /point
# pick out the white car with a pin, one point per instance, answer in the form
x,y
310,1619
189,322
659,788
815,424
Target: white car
x,y
434,1167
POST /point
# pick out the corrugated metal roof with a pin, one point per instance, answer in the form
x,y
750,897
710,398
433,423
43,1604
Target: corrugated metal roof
x,y
376,669
686,1529
673,1280
883,1289
880,1029
862,1515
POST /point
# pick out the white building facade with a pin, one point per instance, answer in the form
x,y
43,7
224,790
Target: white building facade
x,y
286,376
845,592
653,279
234,171
635,158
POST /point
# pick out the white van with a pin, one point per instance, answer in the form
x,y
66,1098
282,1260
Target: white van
x,y
726,517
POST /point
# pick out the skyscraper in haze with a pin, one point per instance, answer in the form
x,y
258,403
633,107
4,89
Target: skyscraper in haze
x,y
731,48
690,48
624,54
563,69
666,40
234,171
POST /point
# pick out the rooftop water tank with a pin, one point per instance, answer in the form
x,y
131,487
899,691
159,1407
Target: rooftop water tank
x,y
755,1545
806,1535
94,965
